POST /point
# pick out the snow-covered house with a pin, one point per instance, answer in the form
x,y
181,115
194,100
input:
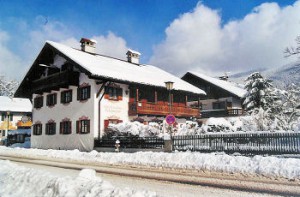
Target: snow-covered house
x,y
77,93
222,99
15,113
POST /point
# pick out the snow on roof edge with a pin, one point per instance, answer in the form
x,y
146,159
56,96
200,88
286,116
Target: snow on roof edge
x,y
226,85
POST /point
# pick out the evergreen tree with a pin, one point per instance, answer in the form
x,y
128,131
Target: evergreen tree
x,y
258,94
263,103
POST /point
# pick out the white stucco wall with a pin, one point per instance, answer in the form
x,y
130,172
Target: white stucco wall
x,y
111,109
73,111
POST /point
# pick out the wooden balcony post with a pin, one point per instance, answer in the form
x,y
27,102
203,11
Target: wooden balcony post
x,y
137,95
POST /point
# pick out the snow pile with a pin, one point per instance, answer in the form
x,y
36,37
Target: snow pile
x,y
133,128
258,165
20,181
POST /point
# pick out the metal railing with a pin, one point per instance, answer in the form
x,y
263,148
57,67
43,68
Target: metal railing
x,y
244,143
131,142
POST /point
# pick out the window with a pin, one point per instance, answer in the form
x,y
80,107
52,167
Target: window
x,y
66,96
38,102
114,93
51,99
84,93
3,116
65,127
50,128
219,105
83,126
37,129
11,117
111,121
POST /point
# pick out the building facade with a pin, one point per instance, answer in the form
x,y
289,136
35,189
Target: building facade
x,y
222,99
76,94
15,114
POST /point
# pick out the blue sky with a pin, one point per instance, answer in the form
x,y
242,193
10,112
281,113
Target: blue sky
x,y
176,35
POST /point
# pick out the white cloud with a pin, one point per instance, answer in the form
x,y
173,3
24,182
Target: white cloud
x,y
110,45
9,62
198,41
37,33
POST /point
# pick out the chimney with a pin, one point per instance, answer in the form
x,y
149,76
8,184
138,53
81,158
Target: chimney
x,y
133,56
88,45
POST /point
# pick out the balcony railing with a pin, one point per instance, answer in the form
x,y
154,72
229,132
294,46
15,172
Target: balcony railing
x,y
55,81
221,113
160,109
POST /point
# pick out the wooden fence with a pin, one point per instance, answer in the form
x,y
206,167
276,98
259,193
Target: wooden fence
x,y
244,143
131,142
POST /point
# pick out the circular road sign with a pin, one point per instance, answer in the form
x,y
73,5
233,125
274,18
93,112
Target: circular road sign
x,y
170,119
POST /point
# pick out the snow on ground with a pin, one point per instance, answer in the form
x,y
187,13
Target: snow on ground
x,y
268,166
18,181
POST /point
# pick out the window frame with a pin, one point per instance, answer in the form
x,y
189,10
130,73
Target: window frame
x,y
38,102
80,124
83,93
113,93
65,127
63,96
37,129
49,126
51,99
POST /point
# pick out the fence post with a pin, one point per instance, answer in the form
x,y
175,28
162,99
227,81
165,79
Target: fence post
x,y
168,144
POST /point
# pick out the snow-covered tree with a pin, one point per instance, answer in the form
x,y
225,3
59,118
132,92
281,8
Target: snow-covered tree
x,y
291,105
264,103
258,92
8,87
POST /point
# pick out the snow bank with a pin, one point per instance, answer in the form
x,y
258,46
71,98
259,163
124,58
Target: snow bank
x,y
20,181
211,125
258,165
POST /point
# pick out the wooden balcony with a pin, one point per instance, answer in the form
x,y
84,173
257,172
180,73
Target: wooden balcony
x,y
55,81
161,110
222,113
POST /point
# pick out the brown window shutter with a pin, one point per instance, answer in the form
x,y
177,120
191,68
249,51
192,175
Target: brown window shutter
x,y
78,126
106,123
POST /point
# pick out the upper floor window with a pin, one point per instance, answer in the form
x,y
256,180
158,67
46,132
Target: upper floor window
x,y
37,129
66,127
51,99
38,102
5,115
66,96
50,128
83,126
114,93
83,93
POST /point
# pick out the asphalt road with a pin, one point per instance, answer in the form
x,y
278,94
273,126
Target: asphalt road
x,y
168,182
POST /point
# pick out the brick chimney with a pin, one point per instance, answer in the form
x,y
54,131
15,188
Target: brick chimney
x,y
88,45
133,56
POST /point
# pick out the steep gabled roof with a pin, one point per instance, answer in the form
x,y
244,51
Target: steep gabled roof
x,y
228,86
123,71
15,104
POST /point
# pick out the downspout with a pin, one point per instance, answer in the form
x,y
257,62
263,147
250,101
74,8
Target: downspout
x,y
99,109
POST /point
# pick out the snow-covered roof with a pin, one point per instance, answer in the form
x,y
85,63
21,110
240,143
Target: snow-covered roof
x,y
112,68
133,51
226,85
15,104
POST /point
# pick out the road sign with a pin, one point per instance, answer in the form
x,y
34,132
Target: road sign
x,y
170,119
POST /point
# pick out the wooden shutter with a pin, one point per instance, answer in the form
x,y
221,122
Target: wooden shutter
x,y
89,92
88,126
78,126
106,123
120,93
78,94
61,128
62,97
55,99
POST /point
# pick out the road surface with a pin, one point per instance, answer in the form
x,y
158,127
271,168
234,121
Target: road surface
x,y
172,183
